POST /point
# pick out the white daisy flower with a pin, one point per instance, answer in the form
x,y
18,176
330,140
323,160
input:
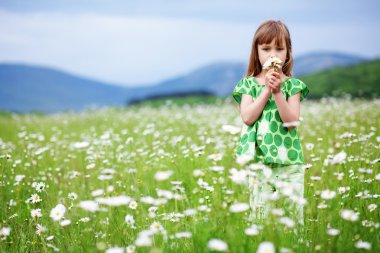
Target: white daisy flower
x,y
49,238
65,223
327,194
129,220
58,212
97,192
253,230
5,231
339,158
133,204
72,196
36,213
309,146
190,212
144,241
266,247
183,235
40,187
130,249
244,159
287,222
115,200
144,238
115,250
333,231
272,62
199,173
363,245
349,215
80,145
35,198
163,175
217,245
239,207
231,129
84,219
156,226
19,178
89,205
215,157
372,207
40,229
238,176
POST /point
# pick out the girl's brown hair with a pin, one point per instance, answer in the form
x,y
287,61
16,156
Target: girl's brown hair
x,y
265,33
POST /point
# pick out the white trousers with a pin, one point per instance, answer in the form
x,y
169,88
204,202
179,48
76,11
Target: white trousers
x,y
281,185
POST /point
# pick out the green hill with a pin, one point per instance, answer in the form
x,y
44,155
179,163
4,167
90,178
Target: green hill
x,y
359,80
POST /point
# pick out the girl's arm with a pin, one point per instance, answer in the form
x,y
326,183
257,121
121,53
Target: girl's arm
x,y
289,110
250,110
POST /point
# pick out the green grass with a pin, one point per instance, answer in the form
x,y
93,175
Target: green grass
x,y
174,137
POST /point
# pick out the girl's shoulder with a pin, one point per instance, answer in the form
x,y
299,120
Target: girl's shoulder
x,y
246,85
295,85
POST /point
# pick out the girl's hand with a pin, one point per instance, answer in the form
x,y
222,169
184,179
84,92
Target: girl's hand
x,y
273,80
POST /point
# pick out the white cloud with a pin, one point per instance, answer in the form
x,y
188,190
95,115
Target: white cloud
x,y
142,50
119,49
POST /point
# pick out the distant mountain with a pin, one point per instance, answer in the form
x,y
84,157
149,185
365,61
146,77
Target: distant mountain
x,y
220,78
318,61
25,88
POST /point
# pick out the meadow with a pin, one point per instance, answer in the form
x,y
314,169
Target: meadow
x,y
164,178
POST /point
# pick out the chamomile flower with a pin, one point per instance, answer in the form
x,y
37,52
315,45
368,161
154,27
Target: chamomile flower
x,y
349,215
129,220
35,198
266,247
65,223
72,196
40,186
217,245
40,229
131,249
363,245
156,226
272,62
36,213
372,207
133,204
57,212
84,219
327,194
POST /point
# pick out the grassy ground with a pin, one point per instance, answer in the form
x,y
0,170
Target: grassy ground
x,y
119,152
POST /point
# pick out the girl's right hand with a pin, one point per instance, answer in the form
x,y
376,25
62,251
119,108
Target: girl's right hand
x,y
272,80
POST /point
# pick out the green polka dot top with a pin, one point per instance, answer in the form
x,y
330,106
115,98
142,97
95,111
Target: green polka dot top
x,y
267,140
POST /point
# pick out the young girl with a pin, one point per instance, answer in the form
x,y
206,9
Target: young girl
x,y
267,99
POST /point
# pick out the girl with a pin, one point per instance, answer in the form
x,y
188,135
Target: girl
x,y
267,99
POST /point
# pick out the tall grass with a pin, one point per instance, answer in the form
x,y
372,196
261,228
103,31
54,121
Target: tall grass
x,y
119,151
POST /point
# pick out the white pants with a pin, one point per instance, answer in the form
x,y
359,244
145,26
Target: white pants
x,y
285,184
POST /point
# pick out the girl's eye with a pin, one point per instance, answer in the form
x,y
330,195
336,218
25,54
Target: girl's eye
x,y
280,49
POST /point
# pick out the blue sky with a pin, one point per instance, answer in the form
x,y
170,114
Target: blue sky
x,y
144,42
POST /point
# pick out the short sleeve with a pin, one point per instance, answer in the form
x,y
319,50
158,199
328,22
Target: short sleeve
x,y
244,86
298,86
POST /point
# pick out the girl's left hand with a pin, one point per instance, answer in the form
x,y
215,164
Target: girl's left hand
x,y
275,82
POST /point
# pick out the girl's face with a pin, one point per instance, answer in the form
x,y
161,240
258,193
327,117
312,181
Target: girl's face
x,y
267,50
